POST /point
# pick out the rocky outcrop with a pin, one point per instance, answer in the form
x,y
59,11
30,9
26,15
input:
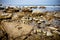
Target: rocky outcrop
x,y
16,29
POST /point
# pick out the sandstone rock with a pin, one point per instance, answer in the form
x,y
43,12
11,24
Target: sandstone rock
x,y
11,10
5,15
38,30
17,15
49,16
49,33
56,32
57,14
38,11
52,28
26,10
15,29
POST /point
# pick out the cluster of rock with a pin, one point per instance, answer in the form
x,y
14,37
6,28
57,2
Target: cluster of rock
x,y
25,23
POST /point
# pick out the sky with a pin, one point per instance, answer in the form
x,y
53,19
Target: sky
x,y
30,2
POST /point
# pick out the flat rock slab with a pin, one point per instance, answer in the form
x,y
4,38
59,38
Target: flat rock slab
x,y
16,29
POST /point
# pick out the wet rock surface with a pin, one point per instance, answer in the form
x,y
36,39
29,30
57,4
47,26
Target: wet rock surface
x,y
27,24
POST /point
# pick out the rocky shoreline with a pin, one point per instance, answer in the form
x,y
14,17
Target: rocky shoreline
x,y
27,24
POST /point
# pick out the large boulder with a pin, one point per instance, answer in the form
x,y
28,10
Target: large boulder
x,y
16,29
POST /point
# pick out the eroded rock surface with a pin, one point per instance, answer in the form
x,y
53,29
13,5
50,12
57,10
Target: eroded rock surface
x,y
27,24
16,29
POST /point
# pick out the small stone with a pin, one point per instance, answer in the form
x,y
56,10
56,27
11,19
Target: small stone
x,y
49,33
38,30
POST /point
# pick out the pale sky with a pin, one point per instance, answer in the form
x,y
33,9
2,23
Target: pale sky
x,y
30,2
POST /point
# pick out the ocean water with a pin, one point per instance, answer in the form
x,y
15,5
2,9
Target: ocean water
x,y
49,8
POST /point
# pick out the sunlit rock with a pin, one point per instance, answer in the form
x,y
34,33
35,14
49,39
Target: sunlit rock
x,y
5,15
57,15
16,29
49,33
